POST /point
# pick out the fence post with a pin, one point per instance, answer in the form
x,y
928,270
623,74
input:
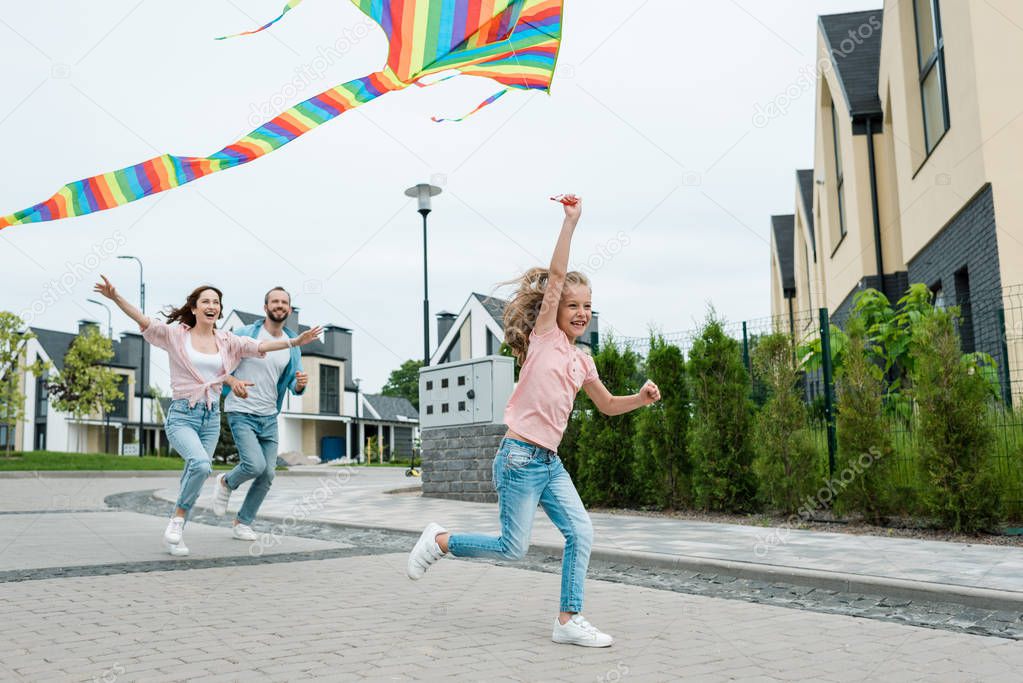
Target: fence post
x,y
745,350
829,402
1006,379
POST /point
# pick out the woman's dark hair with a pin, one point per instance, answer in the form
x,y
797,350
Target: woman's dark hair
x,y
184,315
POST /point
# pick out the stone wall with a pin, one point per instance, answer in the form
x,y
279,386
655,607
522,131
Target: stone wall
x,y
458,462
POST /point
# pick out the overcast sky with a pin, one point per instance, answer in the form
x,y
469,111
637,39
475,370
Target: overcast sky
x,y
652,119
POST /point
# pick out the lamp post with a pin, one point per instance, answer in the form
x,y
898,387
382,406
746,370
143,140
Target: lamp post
x,y
358,434
106,413
142,375
423,192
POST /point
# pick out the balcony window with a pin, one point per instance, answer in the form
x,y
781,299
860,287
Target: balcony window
x,y
120,408
839,173
330,390
931,62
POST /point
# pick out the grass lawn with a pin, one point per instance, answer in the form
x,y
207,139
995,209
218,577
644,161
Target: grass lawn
x,y
50,460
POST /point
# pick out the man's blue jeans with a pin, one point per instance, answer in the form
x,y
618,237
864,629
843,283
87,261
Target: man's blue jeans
x,y
193,433
256,439
526,475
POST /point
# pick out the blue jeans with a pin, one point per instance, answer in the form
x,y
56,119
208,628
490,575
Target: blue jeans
x,y
256,439
193,433
524,476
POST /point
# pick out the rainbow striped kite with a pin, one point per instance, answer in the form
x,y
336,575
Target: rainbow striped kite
x,y
514,42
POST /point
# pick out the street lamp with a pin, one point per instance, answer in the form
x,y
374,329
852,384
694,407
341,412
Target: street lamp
x,y
142,378
106,413
423,192
358,435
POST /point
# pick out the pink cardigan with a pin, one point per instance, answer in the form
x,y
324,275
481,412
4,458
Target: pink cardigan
x,y
186,382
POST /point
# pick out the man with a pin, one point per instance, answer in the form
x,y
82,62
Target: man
x,y
254,397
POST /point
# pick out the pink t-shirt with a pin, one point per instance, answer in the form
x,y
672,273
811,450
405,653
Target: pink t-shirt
x,y
554,371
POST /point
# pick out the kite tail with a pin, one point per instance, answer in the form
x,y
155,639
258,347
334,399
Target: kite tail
x,y
167,171
490,100
292,4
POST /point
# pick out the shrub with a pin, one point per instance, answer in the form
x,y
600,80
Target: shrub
x,y
954,436
865,450
662,458
720,431
604,454
786,465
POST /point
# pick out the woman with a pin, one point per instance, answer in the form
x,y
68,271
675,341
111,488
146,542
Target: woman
x,y
202,359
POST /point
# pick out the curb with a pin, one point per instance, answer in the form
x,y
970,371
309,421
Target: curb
x,y
841,582
130,474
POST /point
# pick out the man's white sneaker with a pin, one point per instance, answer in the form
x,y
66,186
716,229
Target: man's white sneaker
x,y
177,550
172,534
243,532
578,631
425,552
220,496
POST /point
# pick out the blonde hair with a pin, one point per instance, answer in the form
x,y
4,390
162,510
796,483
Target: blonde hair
x,y
525,306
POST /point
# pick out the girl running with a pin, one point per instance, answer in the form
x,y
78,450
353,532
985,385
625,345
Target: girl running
x,y
550,310
202,359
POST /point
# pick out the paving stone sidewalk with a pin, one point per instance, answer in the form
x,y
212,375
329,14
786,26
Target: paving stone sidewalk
x,y
355,496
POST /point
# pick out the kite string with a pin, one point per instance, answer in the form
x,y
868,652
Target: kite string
x,y
292,4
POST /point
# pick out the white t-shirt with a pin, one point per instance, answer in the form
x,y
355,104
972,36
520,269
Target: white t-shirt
x,y
208,365
264,373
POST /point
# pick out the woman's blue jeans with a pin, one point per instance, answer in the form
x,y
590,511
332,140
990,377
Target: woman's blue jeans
x,y
526,475
193,433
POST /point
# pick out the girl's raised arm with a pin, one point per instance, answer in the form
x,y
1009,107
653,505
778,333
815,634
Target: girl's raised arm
x,y
108,290
548,315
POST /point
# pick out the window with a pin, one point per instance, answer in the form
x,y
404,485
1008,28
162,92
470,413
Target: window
x,y
493,344
454,352
962,285
939,295
7,436
931,61
839,173
120,408
330,395
42,398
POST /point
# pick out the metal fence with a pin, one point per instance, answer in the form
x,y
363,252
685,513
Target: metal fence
x,y
990,322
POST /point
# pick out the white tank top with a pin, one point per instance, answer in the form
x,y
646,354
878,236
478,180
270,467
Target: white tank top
x,y
208,365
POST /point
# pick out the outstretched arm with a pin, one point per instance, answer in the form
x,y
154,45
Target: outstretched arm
x,y
109,291
301,340
618,405
548,315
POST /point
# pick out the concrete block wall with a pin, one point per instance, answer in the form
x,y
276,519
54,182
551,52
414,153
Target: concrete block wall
x,y
458,462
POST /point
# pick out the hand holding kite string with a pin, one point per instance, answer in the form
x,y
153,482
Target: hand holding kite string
x,y
513,42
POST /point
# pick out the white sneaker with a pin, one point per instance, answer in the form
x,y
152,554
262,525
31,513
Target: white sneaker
x,y
172,534
425,552
578,631
177,550
221,495
243,532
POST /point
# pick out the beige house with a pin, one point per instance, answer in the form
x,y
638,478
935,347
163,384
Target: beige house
x,y
44,428
332,419
917,129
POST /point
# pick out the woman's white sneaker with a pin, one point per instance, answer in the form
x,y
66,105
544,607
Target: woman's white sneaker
x,y
177,550
221,495
425,552
172,534
243,532
578,631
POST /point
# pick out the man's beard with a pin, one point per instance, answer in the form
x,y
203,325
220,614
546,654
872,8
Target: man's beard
x,y
277,318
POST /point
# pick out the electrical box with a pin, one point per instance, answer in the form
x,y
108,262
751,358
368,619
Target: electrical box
x,y
466,392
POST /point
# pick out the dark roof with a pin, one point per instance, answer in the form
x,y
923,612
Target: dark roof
x,y
316,348
495,307
390,407
783,227
804,180
56,345
856,58
249,318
